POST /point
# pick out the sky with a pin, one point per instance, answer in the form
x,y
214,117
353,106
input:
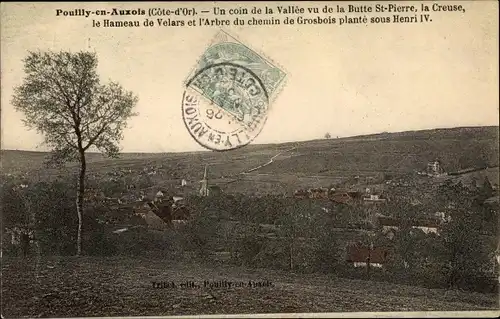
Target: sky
x,y
346,80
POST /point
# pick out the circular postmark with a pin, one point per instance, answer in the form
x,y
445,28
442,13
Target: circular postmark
x,y
224,106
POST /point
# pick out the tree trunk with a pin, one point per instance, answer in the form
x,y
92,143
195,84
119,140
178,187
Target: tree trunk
x,y
79,201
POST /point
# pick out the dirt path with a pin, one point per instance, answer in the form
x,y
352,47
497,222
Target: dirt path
x,y
270,161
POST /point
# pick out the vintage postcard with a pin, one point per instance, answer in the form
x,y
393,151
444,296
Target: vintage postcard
x,y
249,159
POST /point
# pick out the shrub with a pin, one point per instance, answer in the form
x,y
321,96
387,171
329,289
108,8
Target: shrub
x,y
199,235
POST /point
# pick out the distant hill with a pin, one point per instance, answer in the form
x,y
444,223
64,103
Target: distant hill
x,y
442,133
309,163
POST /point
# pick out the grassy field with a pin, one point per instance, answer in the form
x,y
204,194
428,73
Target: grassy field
x,y
85,286
317,163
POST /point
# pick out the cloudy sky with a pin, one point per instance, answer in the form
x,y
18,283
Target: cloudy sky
x,y
346,80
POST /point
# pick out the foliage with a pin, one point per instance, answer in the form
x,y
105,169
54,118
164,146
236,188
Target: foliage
x,y
459,255
328,246
199,234
48,208
62,98
296,222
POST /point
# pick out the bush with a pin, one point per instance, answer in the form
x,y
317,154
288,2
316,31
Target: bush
x,y
46,209
49,211
327,251
199,236
273,254
248,248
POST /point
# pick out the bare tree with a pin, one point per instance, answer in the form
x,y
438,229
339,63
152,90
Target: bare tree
x,y
63,99
327,135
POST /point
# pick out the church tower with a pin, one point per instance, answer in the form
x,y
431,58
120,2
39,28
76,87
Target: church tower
x,y
204,183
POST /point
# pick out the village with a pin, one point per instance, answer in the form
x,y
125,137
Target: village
x,y
385,226
167,208
365,214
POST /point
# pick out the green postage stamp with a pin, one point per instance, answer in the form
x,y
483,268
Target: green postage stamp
x,y
227,96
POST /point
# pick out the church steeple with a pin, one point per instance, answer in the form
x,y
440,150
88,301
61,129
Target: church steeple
x,y
204,183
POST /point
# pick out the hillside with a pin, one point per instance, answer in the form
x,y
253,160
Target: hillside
x,y
283,167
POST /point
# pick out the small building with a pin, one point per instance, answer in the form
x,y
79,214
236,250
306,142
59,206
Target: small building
x,y
361,256
301,194
389,226
159,195
374,198
435,169
442,217
318,193
312,193
427,226
388,223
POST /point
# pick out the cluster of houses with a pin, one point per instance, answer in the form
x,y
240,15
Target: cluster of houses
x,y
390,225
167,210
362,255
341,196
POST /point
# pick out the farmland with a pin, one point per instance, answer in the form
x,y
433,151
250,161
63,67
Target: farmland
x,y
317,163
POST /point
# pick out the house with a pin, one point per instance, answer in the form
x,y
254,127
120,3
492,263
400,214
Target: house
x,y
374,198
362,256
312,193
301,194
155,217
318,193
388,223
427,226
442,217
389,226
178,200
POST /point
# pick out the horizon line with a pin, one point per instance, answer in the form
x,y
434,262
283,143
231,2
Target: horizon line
x,y
284,142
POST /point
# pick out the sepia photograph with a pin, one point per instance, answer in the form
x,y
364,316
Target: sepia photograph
x,y
269,159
